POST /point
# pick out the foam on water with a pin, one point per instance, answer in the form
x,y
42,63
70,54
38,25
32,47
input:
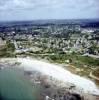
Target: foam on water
x,y
59,73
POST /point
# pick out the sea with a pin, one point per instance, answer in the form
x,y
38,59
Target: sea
x,y
15,86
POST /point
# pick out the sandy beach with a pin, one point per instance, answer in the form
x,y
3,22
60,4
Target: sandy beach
x,y
58,73
55,74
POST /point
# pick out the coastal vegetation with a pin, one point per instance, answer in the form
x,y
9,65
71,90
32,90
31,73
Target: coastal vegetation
x,y
7,50
96,73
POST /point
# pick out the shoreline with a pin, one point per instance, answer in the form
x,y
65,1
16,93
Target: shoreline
x,y
17,60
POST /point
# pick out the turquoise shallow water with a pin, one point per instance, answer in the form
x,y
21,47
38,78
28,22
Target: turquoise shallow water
x,y
14,86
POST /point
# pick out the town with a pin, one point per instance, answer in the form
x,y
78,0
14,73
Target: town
x,y
74,44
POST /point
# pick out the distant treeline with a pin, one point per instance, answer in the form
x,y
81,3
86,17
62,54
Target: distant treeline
x,y
81,22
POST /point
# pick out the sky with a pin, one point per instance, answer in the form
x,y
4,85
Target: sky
x,y
48,9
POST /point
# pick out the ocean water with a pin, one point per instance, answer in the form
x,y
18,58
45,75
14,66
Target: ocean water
x,y
14,86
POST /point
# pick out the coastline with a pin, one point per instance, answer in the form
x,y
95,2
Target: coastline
x,y
55,79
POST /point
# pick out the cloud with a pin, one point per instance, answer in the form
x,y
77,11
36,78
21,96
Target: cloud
x,y
49,8
37,4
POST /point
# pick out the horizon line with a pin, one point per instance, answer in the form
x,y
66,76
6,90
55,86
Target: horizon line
x,y
49,19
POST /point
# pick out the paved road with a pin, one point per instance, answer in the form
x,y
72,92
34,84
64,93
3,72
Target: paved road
x,y
94,77
90,55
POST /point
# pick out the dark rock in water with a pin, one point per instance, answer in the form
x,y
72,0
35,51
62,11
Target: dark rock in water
x,y
27,73
47,86
78,97
72,97
68,96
